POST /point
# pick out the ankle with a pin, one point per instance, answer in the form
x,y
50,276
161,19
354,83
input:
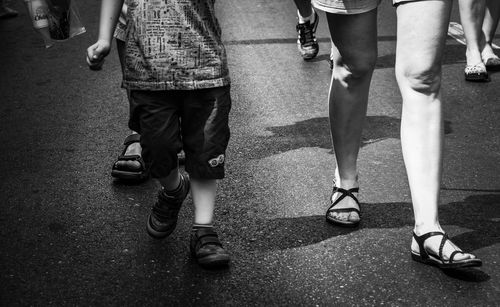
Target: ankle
x,y
473,57
310,18
421,228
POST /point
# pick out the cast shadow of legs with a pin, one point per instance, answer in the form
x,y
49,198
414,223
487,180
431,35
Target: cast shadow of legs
x,y
478,213
453,54
315,132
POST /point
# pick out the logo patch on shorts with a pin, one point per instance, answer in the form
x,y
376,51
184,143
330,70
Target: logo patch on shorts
x,y
216,161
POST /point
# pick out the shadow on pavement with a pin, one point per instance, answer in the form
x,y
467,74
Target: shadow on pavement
x,y
315,132
468,274
478,213
453,54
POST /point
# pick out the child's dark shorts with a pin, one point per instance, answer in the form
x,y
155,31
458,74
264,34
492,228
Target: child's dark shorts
x,y
194,120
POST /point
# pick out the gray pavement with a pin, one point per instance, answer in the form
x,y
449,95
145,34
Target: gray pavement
x,y
70,235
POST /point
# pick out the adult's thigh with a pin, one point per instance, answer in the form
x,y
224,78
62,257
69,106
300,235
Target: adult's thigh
x,y
421,36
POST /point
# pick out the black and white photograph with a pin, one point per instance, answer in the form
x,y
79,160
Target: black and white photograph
x,y
250,153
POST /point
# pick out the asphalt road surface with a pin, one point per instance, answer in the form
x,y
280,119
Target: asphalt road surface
x,y
70,235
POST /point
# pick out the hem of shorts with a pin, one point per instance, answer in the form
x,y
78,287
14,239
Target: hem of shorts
x,y
170,85
346,11
395,4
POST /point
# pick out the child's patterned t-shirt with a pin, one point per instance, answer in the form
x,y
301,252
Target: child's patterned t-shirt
x,y
174,45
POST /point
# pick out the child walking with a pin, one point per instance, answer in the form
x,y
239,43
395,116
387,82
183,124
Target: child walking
x,y
176,72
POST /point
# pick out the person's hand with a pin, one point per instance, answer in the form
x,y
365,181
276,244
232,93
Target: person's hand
x,y
96,54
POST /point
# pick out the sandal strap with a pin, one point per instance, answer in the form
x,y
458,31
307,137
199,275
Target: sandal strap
x,y
344,193
205,236
344,210
453,255
137,158
441,246
421,239
129,157
133,138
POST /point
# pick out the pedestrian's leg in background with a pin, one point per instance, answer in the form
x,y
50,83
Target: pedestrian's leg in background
x,y
472,16
421,36
306,28
490,23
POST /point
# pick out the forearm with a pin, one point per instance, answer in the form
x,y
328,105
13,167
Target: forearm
x,y
110,10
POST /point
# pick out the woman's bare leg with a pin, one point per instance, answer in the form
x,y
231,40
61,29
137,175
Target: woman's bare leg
x,y
354,54
421,34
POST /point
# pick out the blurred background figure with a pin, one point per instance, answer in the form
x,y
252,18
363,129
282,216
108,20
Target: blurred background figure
x,y
306,29
479,20
6,12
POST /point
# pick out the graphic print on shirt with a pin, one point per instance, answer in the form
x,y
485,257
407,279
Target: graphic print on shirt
x,y
175,45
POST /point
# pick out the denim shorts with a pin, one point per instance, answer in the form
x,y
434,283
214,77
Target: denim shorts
x,y
194,120
347,7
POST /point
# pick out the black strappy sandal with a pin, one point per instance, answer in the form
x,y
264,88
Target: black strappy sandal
x,y
427,257
127,173
345,193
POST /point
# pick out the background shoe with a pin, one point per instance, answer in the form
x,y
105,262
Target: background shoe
x,y
306,42
492,64
476,73
207,249
165,212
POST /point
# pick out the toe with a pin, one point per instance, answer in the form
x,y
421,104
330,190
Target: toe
x,y
463,256
130,165
353,217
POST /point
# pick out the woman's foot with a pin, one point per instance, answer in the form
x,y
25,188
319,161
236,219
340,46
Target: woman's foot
x,y
476,73
344,209
435,248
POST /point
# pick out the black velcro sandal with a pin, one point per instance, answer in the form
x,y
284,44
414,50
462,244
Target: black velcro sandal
x,y
345,193
428,257
207,249
127,173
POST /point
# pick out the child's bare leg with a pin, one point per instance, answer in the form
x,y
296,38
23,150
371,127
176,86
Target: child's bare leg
x,y
203,193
